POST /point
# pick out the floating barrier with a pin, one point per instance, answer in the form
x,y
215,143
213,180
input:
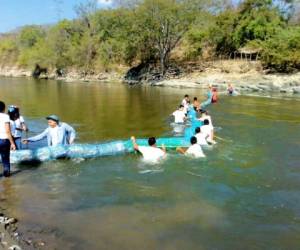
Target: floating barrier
x,y
86,151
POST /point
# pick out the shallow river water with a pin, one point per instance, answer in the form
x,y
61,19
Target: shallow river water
x,y
244,195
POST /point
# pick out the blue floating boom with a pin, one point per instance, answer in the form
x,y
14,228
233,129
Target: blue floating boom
x,y
88,150
105,149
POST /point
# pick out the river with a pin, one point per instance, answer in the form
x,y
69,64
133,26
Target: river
x,y
244,195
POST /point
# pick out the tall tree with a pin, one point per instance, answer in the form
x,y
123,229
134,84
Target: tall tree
x,y
163,23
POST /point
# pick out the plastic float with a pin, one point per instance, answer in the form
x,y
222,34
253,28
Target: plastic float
x,y
86,151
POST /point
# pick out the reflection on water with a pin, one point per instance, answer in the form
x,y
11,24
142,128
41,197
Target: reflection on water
x,y
244,195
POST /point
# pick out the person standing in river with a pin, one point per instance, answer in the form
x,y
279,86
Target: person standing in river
x,y
6,140
17,125
209,97
58,133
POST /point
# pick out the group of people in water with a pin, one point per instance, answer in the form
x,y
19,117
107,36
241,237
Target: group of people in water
x,y
12,124
202,136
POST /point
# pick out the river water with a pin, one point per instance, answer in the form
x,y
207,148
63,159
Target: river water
x,y
244,195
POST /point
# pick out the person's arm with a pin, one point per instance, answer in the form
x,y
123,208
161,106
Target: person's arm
x,y
72,133
39,137
135,145
9,136
181,150
24,127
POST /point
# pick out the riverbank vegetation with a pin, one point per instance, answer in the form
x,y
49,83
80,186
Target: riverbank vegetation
x,y
159,32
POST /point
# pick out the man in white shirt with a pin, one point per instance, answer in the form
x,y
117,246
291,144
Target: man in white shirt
x,y
179,115
6,140
201,137
194,150
204,115
58,133
185,103
150,153
208,130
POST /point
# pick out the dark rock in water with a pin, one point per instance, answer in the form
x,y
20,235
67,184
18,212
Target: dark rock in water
x,y
149,73
38,71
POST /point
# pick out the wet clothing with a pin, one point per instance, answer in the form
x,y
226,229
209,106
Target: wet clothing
x,y
201,138
207,130
179,116
195,151
151,154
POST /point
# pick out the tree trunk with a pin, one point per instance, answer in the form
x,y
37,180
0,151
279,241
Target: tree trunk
x,y
162,65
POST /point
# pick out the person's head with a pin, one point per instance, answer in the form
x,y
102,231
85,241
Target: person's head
x,y
195,99
13,112
197,130
53,120
186,97
152,141
209,86
206,122
2,107
214,89
193,140
181,107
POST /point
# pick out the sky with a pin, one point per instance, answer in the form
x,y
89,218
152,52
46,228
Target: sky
x,y
17,13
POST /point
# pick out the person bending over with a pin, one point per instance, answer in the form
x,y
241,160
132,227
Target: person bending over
x,y
179,115
150,153
58,133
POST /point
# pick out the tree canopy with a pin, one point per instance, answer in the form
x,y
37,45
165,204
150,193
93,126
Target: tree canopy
x,y
149,31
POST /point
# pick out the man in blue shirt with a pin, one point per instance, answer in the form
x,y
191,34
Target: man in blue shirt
x,y
58,133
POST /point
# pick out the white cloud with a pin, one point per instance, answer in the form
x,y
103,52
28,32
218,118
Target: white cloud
x,y
105,2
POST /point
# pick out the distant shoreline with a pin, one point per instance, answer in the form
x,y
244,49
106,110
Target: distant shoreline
x,y
244,76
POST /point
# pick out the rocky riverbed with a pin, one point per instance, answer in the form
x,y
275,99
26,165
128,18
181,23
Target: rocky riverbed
x,y
8,233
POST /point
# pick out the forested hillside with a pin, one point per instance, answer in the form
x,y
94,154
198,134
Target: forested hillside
x,y
151,31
